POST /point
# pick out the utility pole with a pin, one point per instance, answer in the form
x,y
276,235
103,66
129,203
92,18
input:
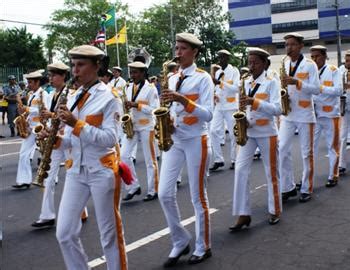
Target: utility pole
x,y
336,5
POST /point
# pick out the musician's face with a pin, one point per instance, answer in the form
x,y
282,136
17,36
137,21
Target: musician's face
x,y
256,65
137,74
347,62
84,70
33,85
56,80
223,59
293,47
318,58
186,53
116,73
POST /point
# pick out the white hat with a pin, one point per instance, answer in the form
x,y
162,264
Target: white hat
x,y
318,48
137,64
347,53
224,52
57,65
117,68
33,75
172,64
86,51
246,69
189,38
294,35
258,51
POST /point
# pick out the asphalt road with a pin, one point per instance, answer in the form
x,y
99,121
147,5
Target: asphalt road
x,y
315,235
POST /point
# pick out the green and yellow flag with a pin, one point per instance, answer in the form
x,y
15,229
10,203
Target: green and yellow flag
x,y
110,17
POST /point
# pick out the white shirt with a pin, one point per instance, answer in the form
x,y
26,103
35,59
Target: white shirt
x,y
117,84
345,78
35,101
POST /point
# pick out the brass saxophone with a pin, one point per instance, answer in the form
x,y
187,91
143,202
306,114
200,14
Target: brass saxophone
x,y
241,126
164,125
21,122
49,142
126,119
346,79
285,101
42,125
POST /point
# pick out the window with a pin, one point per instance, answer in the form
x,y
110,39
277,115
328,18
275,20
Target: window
x,y
294,26
293,6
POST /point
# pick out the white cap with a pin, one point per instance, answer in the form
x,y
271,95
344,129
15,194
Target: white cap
x,y
189,38
224,52
137,64
57,65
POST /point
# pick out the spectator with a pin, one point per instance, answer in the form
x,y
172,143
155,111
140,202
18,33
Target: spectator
x,y
11,91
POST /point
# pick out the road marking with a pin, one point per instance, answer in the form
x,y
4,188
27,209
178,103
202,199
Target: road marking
x,y
9,154
146,240
16,141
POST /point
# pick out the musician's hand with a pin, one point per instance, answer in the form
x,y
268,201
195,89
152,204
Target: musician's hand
x,y
42,134
21,109
347,86
215,81
46,114
216,99
288,80
130,104
244,102
66,116
170,96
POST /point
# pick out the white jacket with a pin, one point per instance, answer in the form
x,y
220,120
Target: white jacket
x,y
117,85
34,100
344,77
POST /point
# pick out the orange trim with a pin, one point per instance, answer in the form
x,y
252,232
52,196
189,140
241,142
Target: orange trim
x,y
144,102
327,108
302,75
139,106
304,103
154,160
327,83
68,164
231,99
94,119
143,121
336,147
273,172
311,173
191,105
115,92
84,214
202,191
262,96
229,82
78,127
262,122
35,102
299,84
190,120
83,100
36,119
192,97
26,109
321,88
255,105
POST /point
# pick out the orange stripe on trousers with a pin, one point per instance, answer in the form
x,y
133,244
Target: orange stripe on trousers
x,y
273,172
311,173
201,189
336,124
154,161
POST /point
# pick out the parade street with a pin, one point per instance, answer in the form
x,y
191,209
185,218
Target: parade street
x,y
313,235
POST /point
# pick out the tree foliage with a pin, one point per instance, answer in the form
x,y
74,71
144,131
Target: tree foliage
x,y
20,49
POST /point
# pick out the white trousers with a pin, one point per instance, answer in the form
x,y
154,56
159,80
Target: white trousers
x,y
216,130
241,191
345,125
147,140
330,128
105,192
306,136
194,152
48,202
24,170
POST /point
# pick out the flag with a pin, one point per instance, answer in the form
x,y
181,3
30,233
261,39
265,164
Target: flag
x,y
108,19
119,38
100,37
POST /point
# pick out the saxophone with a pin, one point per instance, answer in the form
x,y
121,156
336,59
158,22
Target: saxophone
x,y
49,142
164,125
21,121
43,123
346,79
241,126
126,119
285,101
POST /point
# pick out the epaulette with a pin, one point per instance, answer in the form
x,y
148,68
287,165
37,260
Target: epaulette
x,y
114,92
309,60
200,70
332,67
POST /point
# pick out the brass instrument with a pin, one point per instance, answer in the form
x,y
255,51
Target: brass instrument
x,y
346,79
285,101
21,122
126,119
43,123
49,142
164,125
241,126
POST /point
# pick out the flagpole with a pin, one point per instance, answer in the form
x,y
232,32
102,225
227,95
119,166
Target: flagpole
x,y
116,37
127,46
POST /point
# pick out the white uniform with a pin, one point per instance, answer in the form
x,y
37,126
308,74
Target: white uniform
x,y
93,172
345,120
328,115
143,123
302,117
262,133
24,171
227,94
190,146
117,92
117,84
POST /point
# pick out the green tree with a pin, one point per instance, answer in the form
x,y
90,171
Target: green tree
x,y
20,49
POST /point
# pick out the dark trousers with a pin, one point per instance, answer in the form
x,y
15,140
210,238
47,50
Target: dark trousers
x,y
11,115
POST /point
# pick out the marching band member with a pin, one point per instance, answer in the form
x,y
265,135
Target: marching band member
x,y
345,119
172,68
263,100
225,80
57,75
117,83
303,82
142,99
24,170
191,91
91,134
327,110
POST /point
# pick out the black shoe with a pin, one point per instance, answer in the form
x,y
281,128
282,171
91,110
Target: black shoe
x,y
1,137
222,144
304,197
12,132
150,197
178,183
242,221
42,224
216,166
21,186
232,167
129,196
331,183
274,219
257,156
38,161
171,261
194,259
298,185
342,171
134,161
288,194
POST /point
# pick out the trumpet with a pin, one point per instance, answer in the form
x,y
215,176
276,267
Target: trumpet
x,y
126,119
164,125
